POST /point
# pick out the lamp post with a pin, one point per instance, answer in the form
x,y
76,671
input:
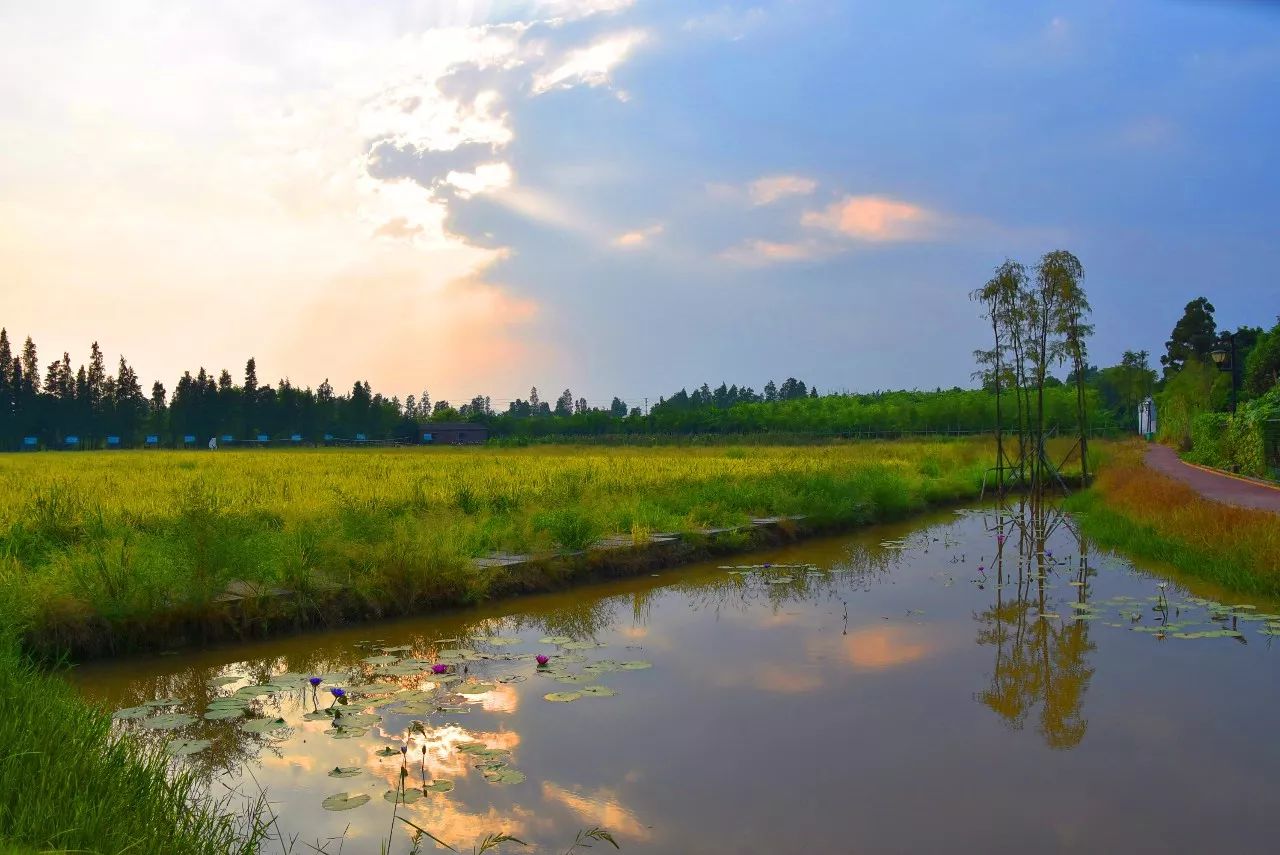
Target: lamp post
x,y
1226,361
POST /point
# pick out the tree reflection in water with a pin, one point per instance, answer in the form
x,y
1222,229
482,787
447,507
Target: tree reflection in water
x,y
1041,663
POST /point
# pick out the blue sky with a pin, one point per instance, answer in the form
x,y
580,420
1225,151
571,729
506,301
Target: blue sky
x,y
624,197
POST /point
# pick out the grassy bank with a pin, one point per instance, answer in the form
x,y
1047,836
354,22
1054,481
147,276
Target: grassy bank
x,y
109,549
1147,514
68,784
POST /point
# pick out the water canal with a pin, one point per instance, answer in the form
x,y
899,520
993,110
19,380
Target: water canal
x,y
917,687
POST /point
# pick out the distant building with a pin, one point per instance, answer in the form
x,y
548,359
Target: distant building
x,y
452,433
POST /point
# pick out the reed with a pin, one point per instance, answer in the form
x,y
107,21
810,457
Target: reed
x,y
1147,514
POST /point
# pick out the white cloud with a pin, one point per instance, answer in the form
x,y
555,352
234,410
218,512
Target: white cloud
x,y
589,66
875,218
767,190
638,237
486,178
758,252
575,9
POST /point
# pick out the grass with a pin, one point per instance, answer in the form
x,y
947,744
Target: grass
x,y
67,784
1150,515
116,547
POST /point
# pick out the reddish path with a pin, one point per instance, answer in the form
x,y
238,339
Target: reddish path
x,y
1211,485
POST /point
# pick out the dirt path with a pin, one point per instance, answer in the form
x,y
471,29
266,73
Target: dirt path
x,y
1211,485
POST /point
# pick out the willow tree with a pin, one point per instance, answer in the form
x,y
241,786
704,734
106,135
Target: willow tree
x,y
1001,296
1072,326
1043,304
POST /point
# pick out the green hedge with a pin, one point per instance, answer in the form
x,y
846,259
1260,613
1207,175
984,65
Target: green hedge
x,y
1235,443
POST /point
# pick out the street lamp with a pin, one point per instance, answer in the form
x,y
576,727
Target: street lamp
x,y
1226,361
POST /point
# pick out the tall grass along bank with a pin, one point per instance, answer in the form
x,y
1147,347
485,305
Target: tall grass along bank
x,y
68,784
1145,513
105,551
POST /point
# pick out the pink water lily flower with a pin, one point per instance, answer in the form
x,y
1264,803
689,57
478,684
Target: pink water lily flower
x,y
543,659
439,668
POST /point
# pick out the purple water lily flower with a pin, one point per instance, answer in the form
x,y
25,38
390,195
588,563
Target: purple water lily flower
x,y
439,668
1048,553
1000,539
543,659
315,681
338,693
404,749
982,568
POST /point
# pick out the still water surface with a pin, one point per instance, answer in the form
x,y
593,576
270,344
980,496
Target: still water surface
x,y
896,691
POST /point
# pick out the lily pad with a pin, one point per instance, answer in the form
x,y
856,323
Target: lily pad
x,y
475,688
504,776
163,702
223,713
496,640
439,787
556,639
562,697
345,771
490,753
597,691
581,645
634,665
225,680
263,725
345,801
184,747
172,721
254,691
131,712
408,797
346,732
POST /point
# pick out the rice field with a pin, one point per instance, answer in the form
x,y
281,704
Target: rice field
x,y
109,543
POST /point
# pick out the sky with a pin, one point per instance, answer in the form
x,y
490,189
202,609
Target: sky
x,y
622,197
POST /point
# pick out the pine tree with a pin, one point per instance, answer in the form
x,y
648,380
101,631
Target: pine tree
x,y
95,399
1193,336
564,404
249,398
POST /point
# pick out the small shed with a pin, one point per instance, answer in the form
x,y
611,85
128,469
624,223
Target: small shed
x,y
453,433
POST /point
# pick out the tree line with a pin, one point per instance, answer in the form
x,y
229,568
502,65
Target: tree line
x,y
91,404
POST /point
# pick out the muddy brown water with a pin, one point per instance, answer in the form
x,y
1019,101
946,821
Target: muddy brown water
x,y
890,697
